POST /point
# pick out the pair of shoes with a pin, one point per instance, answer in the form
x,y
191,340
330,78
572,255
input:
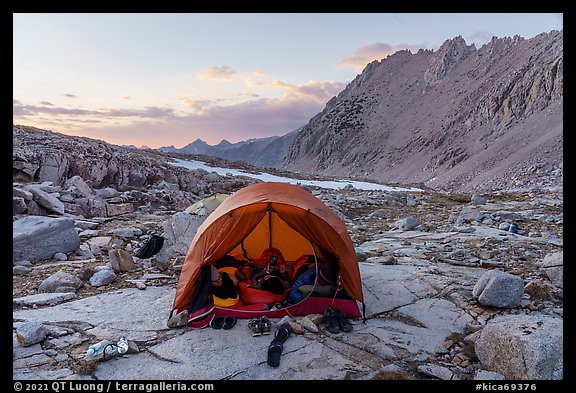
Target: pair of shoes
x,y
225,323
331,320
259,326
336,321
277,345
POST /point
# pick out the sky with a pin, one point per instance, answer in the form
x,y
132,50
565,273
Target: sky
x,y
168,79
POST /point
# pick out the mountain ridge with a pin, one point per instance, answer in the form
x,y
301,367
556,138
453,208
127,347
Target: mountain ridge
x,y
262,152
456,119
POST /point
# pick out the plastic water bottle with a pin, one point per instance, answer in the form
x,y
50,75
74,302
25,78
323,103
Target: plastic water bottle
x,y
122,345
97,350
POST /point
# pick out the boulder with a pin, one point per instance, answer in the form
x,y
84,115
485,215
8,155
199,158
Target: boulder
x,y
30,333
38,237
483,375
52,167
469,213
78,187
126,232
85,252
92,206
477,200
407,224
18,205
116,209
499,289
525,347
47,201
178,234
42,299
103,277
107,192
60,256
22,193
98,244
20,270
121,260
60,281
553,265
23,169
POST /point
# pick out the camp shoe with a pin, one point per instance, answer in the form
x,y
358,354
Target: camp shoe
x,y
255,327
265,325
331,320
343,322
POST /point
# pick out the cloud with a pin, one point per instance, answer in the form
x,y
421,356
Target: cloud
x,y
480,37
249,95
18,109
259,73
223,73
127,97
46,103
199,105
373,51
69,95
212,120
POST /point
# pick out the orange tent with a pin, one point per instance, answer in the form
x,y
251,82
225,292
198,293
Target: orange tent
x,y
269,215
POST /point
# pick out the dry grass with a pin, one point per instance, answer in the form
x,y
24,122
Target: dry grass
x,y
393,375
86,367
449,199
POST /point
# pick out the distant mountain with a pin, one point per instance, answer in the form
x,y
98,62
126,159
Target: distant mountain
x,y
143,147
457,119
262,152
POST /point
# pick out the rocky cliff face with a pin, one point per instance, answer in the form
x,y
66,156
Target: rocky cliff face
x,y
457,119
81,170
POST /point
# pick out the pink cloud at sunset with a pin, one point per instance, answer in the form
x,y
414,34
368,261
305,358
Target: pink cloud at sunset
x,y
211,120
374,51
223,73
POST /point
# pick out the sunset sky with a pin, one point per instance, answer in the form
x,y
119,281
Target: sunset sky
x,y
168,79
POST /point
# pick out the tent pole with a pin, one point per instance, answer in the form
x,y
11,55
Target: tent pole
x,y
270,225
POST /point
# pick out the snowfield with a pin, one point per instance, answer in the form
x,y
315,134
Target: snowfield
x,y
334,185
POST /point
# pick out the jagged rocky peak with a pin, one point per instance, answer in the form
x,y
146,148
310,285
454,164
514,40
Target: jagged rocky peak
x,y
451,53
446,118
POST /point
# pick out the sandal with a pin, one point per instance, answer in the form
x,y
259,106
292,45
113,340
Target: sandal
x,y
217,322
274,353
255,327
277,345
265,325
229,323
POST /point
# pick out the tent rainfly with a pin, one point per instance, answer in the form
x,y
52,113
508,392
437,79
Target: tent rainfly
x,y
264,230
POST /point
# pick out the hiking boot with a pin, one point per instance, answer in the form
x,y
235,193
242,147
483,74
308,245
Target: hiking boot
x,y
331,320
343,322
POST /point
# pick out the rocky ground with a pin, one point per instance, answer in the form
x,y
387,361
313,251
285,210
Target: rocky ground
x,y
447,286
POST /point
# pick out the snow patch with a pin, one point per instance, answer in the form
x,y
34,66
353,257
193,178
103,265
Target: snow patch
x,y
267,177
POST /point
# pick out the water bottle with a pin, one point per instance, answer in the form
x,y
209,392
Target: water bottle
x,y
97,350
122,345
